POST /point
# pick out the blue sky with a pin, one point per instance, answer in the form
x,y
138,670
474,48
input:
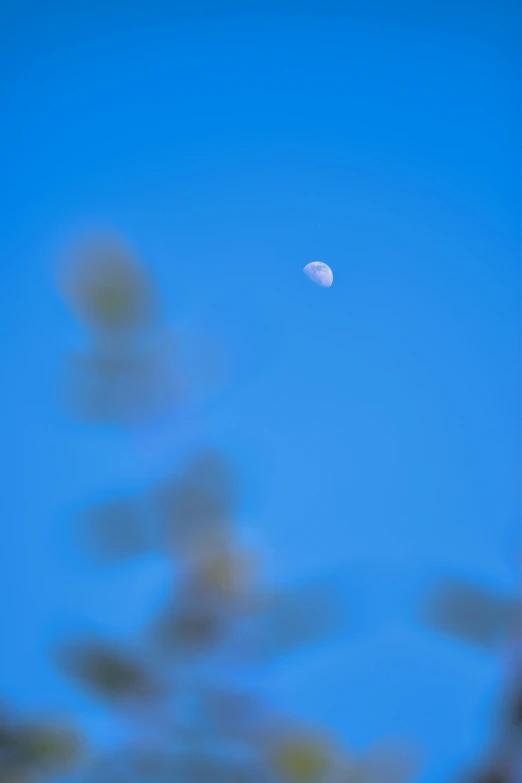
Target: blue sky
x,y
377,422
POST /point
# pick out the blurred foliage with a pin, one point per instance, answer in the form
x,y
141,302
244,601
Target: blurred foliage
x,y
490,621
130,372
186,723
190,625
230,575
470,612
513,712
197,507
490,772
218,598
34,751
106,670
107,287
122,384
301,615
389,762
303,759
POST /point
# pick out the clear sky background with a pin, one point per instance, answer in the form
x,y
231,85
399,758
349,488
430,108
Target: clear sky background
x,y
377,422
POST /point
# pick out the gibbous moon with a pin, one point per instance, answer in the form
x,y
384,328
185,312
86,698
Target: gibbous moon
x,y
319,273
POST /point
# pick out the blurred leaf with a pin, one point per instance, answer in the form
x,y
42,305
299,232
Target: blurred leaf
x,y
514,709
121,387
8,775
230,575
469,611
209,470
192,516
197,506
152,764
109,768
106,286
193,624
303,757
29,750
107,671
489,774
205,767
390,763
353,770
50,747
300,616
232,714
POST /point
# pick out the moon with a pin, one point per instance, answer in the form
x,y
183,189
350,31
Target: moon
x,y
319,273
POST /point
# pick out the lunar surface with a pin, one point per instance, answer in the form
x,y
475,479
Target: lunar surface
x,y
319,273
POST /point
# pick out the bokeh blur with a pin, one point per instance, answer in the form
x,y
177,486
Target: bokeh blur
x,y
255,531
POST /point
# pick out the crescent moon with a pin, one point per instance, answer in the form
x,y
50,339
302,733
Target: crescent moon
x,y
319,273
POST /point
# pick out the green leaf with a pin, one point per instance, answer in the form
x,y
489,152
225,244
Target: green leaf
x,y
468,611
107,671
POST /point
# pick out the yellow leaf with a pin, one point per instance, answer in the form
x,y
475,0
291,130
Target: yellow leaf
x,y
303,760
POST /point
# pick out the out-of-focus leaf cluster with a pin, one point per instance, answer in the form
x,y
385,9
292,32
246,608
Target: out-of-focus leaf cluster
x,y
197,506
107,671
175,684
130,369
470,612
34,751
107,288
489,621
196,724
204,729
302,615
